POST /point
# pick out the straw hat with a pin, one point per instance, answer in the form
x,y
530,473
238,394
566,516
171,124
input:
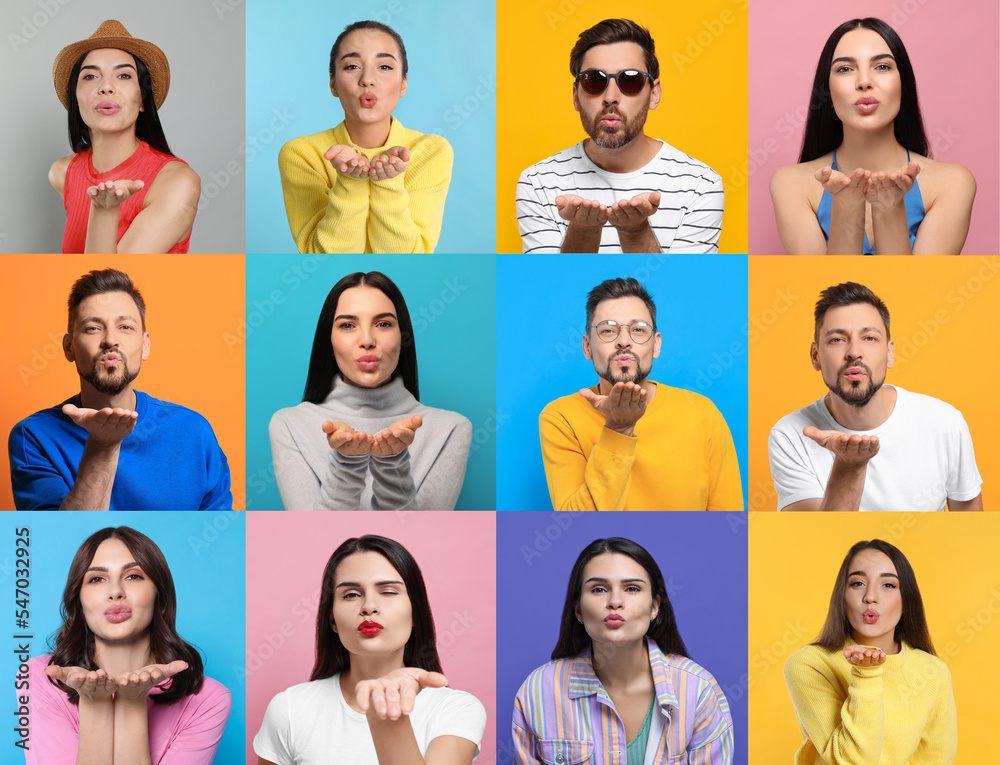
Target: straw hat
x,y
111,34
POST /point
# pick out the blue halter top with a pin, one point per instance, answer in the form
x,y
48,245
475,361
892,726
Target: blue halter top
x,y
913,202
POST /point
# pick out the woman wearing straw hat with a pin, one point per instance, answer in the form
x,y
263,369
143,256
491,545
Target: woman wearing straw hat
x,y
123,189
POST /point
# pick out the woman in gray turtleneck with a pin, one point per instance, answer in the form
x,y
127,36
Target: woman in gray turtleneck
x,y
361,439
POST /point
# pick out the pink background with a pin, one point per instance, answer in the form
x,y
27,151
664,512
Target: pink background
x,y
953,49
286,555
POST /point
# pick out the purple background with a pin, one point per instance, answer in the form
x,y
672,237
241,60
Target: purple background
x,y
703,557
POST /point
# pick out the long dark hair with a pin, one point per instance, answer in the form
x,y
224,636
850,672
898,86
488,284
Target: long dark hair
x,y
824,130
912,626
573,638
420,650
74,642
322,364
147,126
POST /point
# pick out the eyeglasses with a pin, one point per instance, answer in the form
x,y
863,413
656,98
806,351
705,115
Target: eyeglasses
x,y
608,331
630,81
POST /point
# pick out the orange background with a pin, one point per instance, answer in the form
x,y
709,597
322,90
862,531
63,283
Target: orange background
x,y
194,304
944,318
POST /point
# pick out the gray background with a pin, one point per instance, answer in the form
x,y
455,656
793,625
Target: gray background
x,y
203,116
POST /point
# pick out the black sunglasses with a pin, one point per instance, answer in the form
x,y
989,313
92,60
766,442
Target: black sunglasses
x,y
630,82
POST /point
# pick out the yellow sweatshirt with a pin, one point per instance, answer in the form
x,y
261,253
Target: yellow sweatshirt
x,y
901,712
681,456
329,212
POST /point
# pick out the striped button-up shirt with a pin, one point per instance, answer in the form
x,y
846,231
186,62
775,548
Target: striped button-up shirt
x,y
564,716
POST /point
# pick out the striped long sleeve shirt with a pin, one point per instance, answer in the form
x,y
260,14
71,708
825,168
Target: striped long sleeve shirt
x,y
688,220
563,715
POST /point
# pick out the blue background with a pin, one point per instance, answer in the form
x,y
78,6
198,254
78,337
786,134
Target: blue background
x,y
703,558
455,349
207,564
701,311
451,91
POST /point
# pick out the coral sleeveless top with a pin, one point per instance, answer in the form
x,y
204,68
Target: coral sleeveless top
x,y
144,165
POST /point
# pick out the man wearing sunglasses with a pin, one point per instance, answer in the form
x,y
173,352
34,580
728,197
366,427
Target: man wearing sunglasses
x,y
618,190
630,443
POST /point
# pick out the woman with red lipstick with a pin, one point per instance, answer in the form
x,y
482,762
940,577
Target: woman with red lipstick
x,y
123,189
361,439
369,184
871,688
619,640
121,685
376,694
855,190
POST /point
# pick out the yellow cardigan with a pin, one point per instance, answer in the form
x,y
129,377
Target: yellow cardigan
x,y
328,212
899,712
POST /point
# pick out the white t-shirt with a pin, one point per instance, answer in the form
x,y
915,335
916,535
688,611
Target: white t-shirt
x,y
925,456
311,724
689,218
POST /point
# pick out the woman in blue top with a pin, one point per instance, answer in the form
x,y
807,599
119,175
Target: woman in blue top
x,y
855,189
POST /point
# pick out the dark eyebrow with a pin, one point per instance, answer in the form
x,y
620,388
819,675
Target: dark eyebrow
x,y
104,569
99,320
839,331
377,584
602,580
352,317
116,66
358,55
852,60
862,573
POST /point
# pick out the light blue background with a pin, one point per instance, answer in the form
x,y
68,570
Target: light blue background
x,y
452,303
451,91
701,307
205,552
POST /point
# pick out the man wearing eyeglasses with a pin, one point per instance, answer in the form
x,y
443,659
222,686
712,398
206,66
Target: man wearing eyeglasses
x,y
630,443
618,190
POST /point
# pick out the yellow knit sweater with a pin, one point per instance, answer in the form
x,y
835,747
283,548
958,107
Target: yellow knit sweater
x,y
329,212
898,713
681,456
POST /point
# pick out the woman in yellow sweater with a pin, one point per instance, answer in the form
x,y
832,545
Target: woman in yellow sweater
x,y
870,690
369,184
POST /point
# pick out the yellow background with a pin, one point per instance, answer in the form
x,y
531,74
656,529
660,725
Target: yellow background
x,y
944,313
702,50
795,558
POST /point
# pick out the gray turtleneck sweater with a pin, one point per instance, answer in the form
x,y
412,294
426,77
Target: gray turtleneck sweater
x,y
427,475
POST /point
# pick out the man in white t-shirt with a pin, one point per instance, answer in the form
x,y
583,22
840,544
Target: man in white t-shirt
x,y
864,446
618,190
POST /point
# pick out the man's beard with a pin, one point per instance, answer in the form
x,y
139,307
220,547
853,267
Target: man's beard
x,y
623,134
854,395
616,374
110,384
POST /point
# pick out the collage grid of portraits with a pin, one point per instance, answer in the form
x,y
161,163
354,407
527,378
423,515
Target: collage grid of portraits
x,y
497,334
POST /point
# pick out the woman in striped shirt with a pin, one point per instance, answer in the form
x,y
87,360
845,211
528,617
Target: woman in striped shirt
x,y
620,688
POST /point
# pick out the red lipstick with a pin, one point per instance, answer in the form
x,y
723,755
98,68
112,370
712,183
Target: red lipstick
x,y
369,628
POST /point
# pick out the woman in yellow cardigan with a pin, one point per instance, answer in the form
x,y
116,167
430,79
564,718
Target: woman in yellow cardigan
x,y
369,184
871,689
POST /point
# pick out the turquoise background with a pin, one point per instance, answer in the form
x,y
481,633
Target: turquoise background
x,y
205,552
701,312
451,91
452,303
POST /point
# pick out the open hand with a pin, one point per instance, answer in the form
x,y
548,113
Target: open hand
x,y
347,161
585,213
860,656
106,426
622,407
135,685
632,214
885,190
396,437
91,684
346,440
848,188
392,696
390,164
109,195
854,450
